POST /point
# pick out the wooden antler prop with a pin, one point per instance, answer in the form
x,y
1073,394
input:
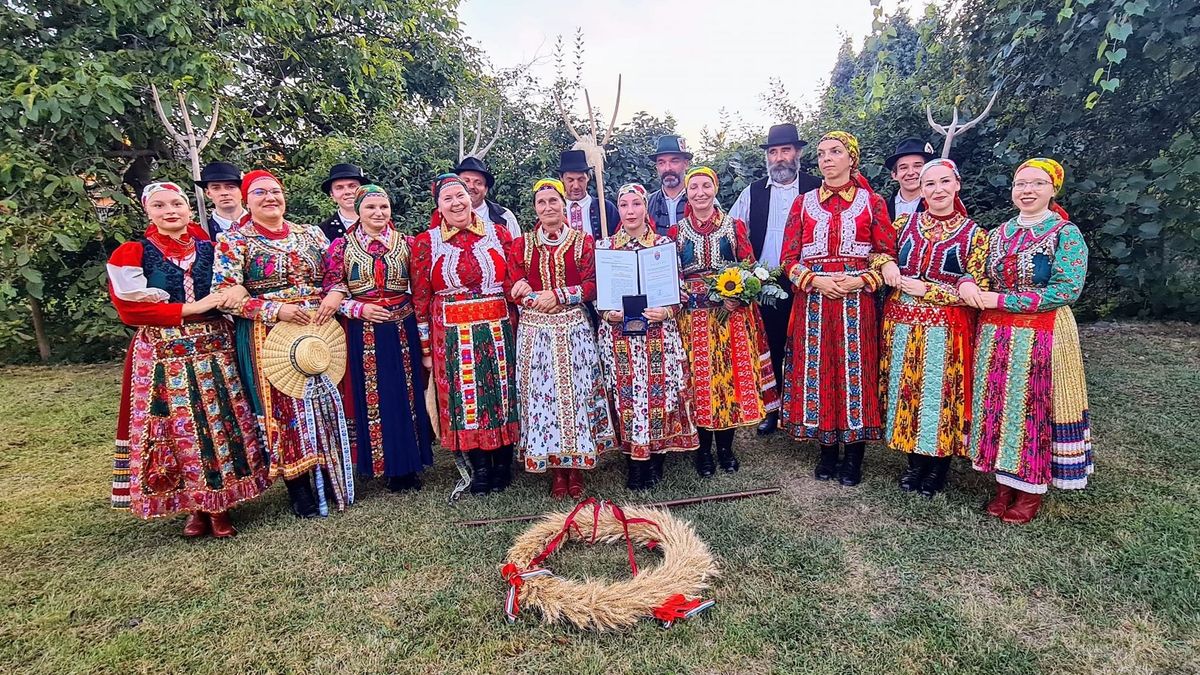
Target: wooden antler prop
x,y
593,148
952,130
189,141
476,152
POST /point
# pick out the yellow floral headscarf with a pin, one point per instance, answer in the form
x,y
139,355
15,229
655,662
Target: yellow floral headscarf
x,y
702,171
1052,168
551,183
847,139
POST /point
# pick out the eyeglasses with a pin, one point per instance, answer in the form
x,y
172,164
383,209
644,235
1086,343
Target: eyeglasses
x,y
1026,184
259,192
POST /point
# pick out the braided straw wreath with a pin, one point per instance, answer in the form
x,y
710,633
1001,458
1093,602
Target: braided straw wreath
x,y
667,592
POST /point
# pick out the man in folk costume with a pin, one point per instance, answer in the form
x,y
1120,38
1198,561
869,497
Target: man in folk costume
x,y
222,184
905,165
671,161
479,182
837,239
342,186
764,206
583,213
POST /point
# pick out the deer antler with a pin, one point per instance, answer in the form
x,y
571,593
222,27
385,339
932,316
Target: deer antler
x,y
982,115
616,106
953,129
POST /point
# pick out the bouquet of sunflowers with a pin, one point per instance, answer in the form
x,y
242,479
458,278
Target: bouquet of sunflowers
x,y
748,283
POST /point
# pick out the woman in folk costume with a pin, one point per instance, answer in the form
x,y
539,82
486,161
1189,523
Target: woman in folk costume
x,y
733,384
1029,421
279,264
565,420
187,440
366,278
647,374
929,330
838,236
467,335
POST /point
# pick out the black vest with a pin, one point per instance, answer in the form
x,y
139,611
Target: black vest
x,y
760,207
166,275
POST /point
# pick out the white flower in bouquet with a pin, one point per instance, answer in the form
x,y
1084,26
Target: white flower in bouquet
x,y
762,273
745,275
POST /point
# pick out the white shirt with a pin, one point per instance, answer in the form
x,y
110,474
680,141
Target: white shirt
x,y
510,221
782,197
903,207
347,223
226,225
585,206
673,205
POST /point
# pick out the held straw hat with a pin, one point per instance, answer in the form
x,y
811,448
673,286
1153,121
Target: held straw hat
x,y
293,353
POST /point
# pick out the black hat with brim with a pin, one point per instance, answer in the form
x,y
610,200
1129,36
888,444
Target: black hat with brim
x,y
783,134
906,147
219,172
475,164
671,145
573,160
344,171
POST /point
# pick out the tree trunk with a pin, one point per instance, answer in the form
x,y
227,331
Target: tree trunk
x,y
39,329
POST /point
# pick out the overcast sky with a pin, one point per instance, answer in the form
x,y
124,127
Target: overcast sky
x,y
686,58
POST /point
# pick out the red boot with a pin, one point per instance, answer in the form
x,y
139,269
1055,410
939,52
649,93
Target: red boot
x,y
558,488
1002,500
221,527
196,525
575,483
1023,509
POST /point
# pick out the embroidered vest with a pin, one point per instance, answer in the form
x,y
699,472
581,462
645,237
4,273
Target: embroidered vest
x,y
820,223
565,270
1021,262
166,275
360,265
706,253
941,261
273,266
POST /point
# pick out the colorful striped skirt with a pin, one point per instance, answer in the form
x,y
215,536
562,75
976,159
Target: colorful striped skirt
x,y
565,420
926,396
188,439
473,348
1030,412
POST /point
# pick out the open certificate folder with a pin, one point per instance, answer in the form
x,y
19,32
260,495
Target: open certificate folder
x,y
652,272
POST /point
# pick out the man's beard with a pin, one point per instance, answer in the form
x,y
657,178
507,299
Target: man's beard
x,y
784,171
670,179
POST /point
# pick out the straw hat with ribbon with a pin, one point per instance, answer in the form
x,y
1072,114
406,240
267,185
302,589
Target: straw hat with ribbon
x,y
292,353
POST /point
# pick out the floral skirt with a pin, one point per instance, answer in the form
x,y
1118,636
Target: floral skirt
x,y
565,420
187,440
1030,412
648,378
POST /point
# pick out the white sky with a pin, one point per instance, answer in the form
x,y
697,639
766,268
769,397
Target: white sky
x,y
687,58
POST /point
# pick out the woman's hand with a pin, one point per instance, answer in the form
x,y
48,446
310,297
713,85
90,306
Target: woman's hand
x,y
913,287
204,305
970,294
545,301
375,314
329,306
827,287
427,363
614,316
891,273
849,284
656,313
733,305
234,296
295,314
520,290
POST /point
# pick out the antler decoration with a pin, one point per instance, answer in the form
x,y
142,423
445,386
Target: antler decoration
x,y
953,129
593,148
188,140
475,151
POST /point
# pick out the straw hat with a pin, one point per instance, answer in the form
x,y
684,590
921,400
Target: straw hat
x,y
292,353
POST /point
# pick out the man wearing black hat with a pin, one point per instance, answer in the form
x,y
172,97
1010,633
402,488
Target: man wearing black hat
x,y
764,206
479,182
344,180
574,172
905,166
671,160
222,184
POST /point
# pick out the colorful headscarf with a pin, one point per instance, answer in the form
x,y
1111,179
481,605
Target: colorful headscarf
x,y
959,207
163,186
365,190
847,139
633,188
255,175
444,181
176,249
701,171
550,184
1057,176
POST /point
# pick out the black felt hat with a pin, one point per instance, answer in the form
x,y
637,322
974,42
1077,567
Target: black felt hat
x,y
783,134
475,164
906,147
340,171
671,145
219,172
573,160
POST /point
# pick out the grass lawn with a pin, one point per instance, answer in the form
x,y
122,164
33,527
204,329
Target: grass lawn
x,y
817,578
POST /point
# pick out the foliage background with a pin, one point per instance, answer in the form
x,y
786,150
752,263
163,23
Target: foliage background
x,y
1109,88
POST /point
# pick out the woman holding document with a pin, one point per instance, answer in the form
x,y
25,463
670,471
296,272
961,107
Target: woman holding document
x,y
734,384
646,370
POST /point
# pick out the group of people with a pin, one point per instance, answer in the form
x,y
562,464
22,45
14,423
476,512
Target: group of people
x,y
906,323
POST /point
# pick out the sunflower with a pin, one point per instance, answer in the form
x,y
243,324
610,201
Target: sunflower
x,y
729,283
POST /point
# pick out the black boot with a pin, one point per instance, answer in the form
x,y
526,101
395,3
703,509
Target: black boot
x,y
410,481
728,460
850,473
481,471
654,473
827,464
769,425
935,480
705,466
304,503
910,480
501,467
638,470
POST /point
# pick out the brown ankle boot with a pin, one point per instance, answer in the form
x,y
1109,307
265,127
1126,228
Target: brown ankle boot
x,y
575,483
559,487
1002,500
1023,508
196,525
221,527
